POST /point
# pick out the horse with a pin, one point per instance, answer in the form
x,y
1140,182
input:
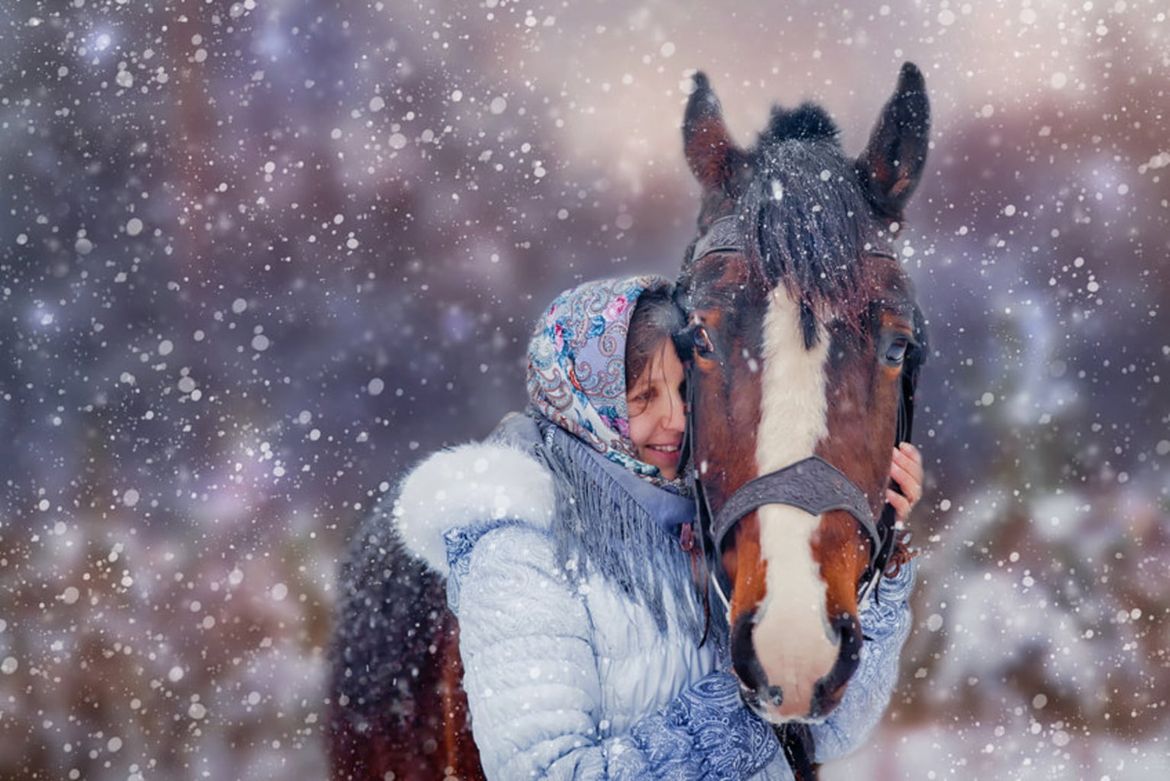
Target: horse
x,y
397,707
803,345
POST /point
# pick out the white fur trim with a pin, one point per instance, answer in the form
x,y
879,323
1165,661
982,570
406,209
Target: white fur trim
x,y
467,485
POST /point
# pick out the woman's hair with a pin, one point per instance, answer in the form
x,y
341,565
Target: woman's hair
x,y
655,318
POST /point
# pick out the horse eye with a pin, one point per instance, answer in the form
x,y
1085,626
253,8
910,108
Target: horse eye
x,y
701,341
896,352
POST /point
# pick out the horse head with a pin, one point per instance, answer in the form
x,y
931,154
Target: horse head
x,y
804,341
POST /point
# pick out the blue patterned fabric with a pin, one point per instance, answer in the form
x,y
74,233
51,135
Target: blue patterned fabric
x,y
577,365
707,733
459,542
885,623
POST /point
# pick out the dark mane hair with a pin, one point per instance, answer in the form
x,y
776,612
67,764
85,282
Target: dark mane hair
x,y
805,215
808,121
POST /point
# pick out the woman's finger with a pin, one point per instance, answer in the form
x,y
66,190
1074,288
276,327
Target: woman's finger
x,y
910,487
900,504
907,473
903,477
912,456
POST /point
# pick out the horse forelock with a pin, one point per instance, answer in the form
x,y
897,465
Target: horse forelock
x,y
806,225
807,121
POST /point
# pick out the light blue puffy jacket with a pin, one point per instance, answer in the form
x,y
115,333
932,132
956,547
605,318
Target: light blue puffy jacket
x,y
570,677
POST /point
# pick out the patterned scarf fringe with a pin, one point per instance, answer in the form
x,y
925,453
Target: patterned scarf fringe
x,y
598,525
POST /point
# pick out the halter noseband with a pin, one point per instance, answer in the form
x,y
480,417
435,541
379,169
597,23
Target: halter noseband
x,y
811,484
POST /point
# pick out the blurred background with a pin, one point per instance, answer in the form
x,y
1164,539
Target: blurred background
x,y
257,257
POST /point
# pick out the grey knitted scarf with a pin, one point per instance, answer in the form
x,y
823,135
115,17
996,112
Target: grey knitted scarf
x,y
610,521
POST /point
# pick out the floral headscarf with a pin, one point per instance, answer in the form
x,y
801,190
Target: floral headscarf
x,y
577,365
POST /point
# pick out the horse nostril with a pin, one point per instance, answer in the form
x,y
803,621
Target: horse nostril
x,y
776,696
820,690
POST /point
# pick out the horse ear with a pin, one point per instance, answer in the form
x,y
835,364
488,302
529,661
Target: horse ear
x,y
710,152
892,163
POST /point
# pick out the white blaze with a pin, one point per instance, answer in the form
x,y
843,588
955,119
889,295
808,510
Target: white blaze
x,y
792,635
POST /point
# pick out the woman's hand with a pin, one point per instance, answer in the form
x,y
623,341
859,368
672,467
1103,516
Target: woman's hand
x,y
907,472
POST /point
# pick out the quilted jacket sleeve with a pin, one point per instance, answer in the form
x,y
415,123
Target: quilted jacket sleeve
x,y
535,694
885,622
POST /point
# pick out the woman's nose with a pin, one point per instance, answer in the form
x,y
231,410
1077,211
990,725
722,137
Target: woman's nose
x,y
676,417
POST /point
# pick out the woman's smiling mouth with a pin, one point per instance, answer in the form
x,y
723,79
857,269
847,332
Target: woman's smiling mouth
x,y
663,456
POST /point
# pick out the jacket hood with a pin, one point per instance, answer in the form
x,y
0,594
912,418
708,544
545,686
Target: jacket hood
x,y
469,485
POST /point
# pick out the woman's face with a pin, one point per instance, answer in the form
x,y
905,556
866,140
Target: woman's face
x,y
657,411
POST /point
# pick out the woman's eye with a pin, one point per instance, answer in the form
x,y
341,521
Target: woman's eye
x,y
896,352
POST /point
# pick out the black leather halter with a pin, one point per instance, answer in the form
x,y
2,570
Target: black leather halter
x,y
811,484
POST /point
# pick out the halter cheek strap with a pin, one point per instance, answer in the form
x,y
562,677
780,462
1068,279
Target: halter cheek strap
x,y
724,235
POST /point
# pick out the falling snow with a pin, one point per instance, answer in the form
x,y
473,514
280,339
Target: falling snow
x,y
256,258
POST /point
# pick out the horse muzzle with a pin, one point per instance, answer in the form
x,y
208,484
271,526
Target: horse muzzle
x,y
797,690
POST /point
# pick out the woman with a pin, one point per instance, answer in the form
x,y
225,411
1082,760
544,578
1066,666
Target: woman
x,y
580,625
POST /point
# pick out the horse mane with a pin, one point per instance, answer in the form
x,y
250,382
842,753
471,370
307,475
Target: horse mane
x,y
808,121
805,215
